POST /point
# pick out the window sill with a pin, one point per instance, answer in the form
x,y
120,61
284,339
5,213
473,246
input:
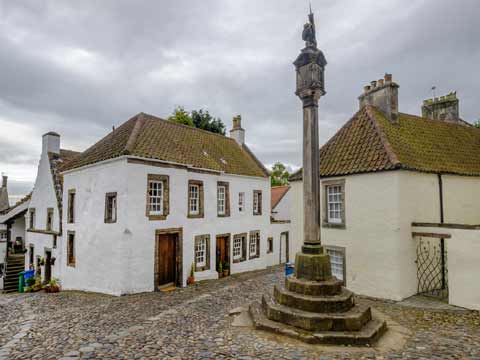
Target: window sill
x,y
47,232
236,261
257,214
110,221
71,265
201,268
195,216
157,217
223,215
253,257
334,225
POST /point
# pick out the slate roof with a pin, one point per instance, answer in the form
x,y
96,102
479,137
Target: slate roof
x,y
148,136
277,194
369,142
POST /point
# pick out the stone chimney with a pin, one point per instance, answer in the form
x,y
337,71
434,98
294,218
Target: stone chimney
x,y
383,94
4,203
443,108
51,143
237,133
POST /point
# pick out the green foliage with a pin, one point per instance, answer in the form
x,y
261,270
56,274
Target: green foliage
x,y
200,119
192,271
30,281
477,123
279,175
220,267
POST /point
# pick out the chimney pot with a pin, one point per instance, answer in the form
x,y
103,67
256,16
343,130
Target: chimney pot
x,y
383,94
237,133
51,143
388,78
4,181
373,84
380,82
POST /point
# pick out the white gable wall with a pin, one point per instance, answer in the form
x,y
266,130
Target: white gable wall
x,y
283,209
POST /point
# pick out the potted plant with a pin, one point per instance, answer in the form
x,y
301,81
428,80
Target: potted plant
x,y
52,286
226,269
220,270
191,278
42,261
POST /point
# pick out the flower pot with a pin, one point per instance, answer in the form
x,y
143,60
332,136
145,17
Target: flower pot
x,y
220,275
190,280
226,272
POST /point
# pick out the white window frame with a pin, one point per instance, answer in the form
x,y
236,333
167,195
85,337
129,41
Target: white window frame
x,y
237,247
254,240
334,202
201,252
221,199
241,202
155,208
337,262
256,203
194,196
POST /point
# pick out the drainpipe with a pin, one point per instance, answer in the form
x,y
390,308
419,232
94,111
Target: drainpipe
x,y
442,221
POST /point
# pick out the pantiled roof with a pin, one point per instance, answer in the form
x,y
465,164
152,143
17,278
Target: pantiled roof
x,y
369,142
147,136
277,194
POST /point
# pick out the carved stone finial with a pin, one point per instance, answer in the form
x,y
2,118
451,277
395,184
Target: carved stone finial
x,y
308,34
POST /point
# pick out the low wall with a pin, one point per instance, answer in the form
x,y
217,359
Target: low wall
x,y
463,261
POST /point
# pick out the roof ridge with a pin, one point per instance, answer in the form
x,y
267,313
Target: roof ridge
x,y
250,153
132,139
383,138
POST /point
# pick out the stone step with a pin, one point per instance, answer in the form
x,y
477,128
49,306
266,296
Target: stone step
x,y
352,320
315,288
318,304
368,335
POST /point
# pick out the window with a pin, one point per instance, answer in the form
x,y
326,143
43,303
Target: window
x,y
254,246
71,206
269,245
195,199
71,249
337,261
334,203
32,219
223,202
241,201
257,202
111,207
3,236
157,197
202,252
49,219
239,251
31,257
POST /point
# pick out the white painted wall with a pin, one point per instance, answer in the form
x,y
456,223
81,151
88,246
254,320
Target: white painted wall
x,y
119,258
461,199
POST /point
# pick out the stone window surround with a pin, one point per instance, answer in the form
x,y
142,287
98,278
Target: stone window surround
x,y
344,253
259,194
325,223
31,218
227,198
201,206
165,179
269,245
198,238
71,206
49,222
256,234
244,237
71,256
109,218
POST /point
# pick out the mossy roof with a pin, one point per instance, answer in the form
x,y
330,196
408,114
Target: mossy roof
x,y
369,142
151,137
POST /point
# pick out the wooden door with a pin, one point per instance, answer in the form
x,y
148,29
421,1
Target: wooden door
x,y
48,266
222,251
166,259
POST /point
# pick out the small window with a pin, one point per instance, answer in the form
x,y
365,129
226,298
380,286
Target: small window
x,y
334,204
269,245
239,251
111,207
157,197
254,246
49,219
241,202
71,249
221,192
3,236
194,192
54,241
202,252
32,219
337,261
31,257
71,207
257,202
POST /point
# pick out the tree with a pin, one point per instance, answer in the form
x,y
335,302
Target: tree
x,y
181,116
279,175
477,123
200,119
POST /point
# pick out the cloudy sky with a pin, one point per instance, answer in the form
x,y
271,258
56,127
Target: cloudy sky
x,y
80,67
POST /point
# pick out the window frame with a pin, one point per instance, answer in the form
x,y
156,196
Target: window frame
x,y
257,202
243,247
31,256
165,199
71,252
31,218
111,215
200,202
254,239
71,200
241,202
199,240
49,223
226,212
269,245
342,250
326,220
3,236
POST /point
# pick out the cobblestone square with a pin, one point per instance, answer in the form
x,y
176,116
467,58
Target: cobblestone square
x,y
196,323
